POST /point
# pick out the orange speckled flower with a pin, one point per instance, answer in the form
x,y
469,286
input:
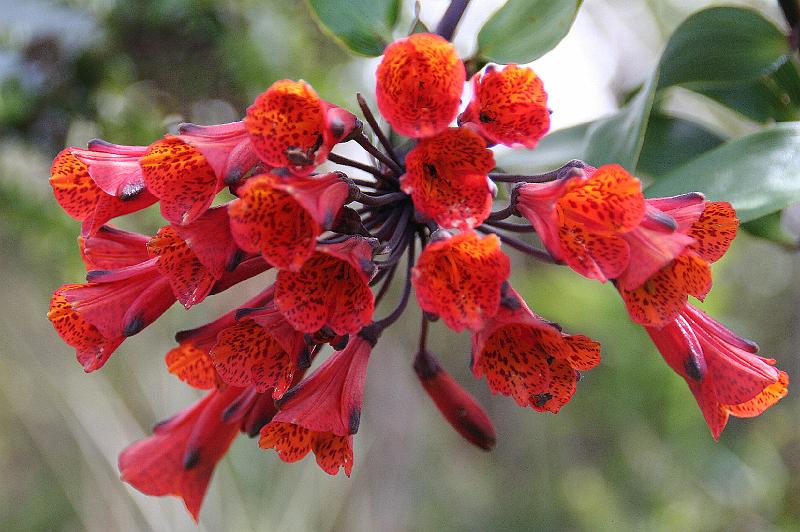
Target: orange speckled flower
x,y
332,288
96,317
82,197
195,256
446,176
710,228
508,106
261,349
190,360
420,81
181,178
529,359
722,369
459,279
291,127
323,412
340,240
281,218
581,219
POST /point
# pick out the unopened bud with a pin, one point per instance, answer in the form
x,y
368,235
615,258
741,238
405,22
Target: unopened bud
x,y
458,407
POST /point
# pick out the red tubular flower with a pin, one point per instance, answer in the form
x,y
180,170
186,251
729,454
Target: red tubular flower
x,y
530,359
111,248
226,147
457,406
323,412
722,370
181,178
331,288
262,349
581,220
419,86
190,361
180,457
85,199
459,278
710,228
194,256
446,176
281,218
653,245
96,317
508,106
291,127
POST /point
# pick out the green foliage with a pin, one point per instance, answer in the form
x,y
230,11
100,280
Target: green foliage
x,y
619,138
757,173
671,142
363,26
775,96
722,45
524,30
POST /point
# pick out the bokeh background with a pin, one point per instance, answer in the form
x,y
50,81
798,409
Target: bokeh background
x,y
630,452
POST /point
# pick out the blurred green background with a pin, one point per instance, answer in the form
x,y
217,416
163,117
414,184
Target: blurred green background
x,y
630,452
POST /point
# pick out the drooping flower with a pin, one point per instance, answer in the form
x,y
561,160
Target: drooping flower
x,y
581,219
323,411
190,360
331,289
195,256
456,404
710,227
528,358
180,457
84,199
721,368
508,106
419,84
96,317
446,176
291,127
459,277
261,349
281,218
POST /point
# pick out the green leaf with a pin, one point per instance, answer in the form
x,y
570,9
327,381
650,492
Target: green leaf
x,y
773,97
722,45
757,173
553,151
619,138
363,26
671,142
524,30
769,228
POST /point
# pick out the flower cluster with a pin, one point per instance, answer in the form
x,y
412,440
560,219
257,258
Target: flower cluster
x,y
336,242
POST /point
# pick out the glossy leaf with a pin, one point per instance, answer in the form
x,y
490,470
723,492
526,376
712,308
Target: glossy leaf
x,y
757,173
671,142
363,26
722,45
769,227
524,30
773,97
619,138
